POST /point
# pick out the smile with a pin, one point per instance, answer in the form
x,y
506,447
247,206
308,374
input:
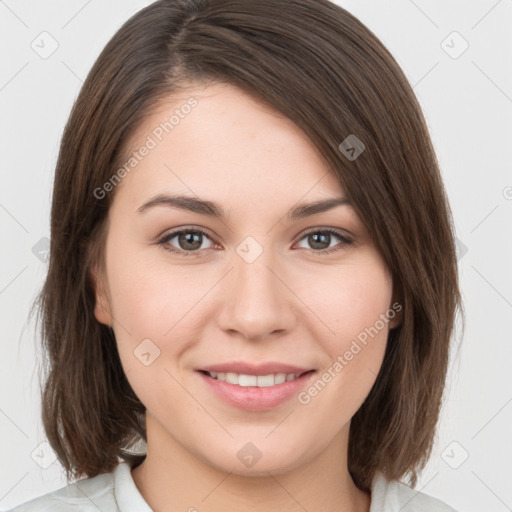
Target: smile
x,y
255,392
261,381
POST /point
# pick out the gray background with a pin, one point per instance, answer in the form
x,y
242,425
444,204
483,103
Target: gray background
x,y
467,101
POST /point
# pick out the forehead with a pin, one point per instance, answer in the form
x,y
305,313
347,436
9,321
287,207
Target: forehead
x,y
219,141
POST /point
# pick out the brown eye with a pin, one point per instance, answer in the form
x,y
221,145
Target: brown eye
x,y
320,241
188,241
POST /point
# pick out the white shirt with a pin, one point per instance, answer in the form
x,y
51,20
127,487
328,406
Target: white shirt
x,y
117,492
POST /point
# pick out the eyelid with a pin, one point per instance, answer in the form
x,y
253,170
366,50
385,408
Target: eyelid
x,y
344,240
343,234
164,239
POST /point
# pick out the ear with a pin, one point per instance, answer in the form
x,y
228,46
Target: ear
x,y
102,309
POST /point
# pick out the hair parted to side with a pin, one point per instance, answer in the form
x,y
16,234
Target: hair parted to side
x,y
322,68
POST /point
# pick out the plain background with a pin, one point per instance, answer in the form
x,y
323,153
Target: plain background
x,y
466,97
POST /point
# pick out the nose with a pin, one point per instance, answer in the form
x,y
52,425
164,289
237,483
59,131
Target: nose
x,y
257,302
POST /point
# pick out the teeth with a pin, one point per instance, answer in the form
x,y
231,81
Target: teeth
x,y
242,380
260,381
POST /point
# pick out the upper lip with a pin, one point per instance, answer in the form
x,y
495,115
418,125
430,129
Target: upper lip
x,y
254,369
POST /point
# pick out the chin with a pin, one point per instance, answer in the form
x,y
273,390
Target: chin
x,y
256,459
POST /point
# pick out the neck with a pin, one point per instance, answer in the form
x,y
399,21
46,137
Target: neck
x,y
173,478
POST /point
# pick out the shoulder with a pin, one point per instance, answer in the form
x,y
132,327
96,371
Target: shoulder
x,y
88,494
392,495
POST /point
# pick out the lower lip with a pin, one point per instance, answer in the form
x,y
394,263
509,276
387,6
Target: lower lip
x,y
253,398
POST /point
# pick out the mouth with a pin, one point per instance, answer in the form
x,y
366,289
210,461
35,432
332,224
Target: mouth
x,y
256,393
260,381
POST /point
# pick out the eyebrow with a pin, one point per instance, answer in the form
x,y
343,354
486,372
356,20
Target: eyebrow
x,y
204,207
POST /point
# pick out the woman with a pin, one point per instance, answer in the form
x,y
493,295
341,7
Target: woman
x,y
252,272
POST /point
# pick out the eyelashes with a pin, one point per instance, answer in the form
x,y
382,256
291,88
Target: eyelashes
x,y
315,236
195,231
344,240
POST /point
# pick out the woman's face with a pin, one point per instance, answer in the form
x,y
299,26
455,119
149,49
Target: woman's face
x,y
261,292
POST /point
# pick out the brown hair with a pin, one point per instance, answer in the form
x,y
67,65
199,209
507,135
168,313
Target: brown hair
x,y
322,68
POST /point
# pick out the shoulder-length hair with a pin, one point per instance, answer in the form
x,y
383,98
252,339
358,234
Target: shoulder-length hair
x,y
322,68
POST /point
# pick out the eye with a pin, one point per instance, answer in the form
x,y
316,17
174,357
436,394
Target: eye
x,y
189,241
320,241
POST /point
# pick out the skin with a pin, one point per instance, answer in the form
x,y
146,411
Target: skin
x,y
291,305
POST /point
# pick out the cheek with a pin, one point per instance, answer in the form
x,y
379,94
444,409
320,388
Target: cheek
x,y
356,311
150,298
347,301
153,309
